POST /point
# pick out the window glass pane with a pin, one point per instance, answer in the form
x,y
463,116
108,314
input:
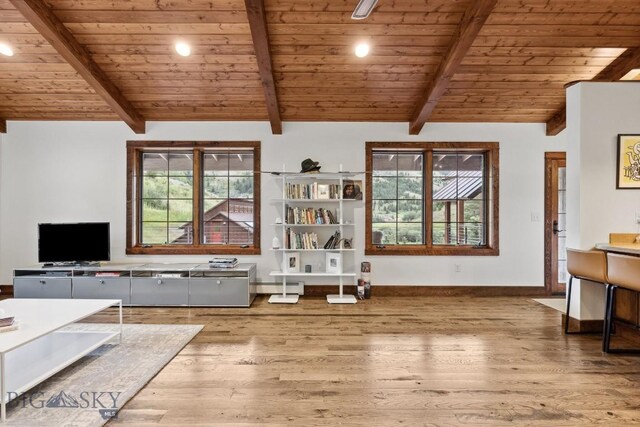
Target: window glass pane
x,y
181,163
181,187
154,233
384,210
241,164
155,164
385,188
216,187
215,232
397,197
180,233
410,165
385,164
409,234
154,210
471,233
410,188
241,187
444,164
473,210
240,233
384,234
216,164
181,210
410,210
458,191
215,209
154,187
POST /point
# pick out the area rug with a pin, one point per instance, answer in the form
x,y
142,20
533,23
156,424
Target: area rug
x,y
559,304
90,392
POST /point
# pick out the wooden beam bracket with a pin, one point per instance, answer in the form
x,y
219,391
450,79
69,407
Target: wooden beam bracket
x,y
260,35
53,30
472,21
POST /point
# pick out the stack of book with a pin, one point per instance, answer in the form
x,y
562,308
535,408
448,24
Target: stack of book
x,y
223,262
8,324
298,215
301,240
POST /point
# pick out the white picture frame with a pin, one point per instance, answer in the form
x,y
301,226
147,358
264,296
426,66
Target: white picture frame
x,y
323,191
334,262
291,262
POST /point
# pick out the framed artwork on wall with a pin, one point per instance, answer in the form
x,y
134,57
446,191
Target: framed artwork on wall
x,y
628,163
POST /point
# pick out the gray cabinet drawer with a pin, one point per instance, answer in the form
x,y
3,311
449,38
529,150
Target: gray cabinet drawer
x,y
159,291
225,292
42,287
102,287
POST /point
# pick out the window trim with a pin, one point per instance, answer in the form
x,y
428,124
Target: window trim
x,y
492,176
134,187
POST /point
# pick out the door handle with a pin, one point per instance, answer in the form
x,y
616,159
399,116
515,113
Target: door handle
x,y
555,227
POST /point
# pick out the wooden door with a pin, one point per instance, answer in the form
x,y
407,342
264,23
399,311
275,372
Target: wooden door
x,y
555,221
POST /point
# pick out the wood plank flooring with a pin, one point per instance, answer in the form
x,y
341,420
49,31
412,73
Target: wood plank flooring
x,y
436,361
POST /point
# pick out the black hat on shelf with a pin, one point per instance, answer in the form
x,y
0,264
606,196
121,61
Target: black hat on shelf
x,y
309,165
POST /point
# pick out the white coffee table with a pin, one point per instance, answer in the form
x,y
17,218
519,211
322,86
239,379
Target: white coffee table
x,y
37,349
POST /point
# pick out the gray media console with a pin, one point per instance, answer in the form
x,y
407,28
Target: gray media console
x,y
146,284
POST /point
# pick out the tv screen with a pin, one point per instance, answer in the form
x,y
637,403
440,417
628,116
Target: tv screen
x,y
78,242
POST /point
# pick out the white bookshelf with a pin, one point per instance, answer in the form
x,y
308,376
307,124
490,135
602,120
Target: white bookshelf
x,y
336,205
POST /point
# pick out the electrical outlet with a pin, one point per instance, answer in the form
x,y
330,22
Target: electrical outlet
x,y
535,216
457,268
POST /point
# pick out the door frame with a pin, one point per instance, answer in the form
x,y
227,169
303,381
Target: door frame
x,y
549,191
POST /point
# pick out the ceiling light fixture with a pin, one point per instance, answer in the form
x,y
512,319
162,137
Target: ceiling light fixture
x,y
362,50
5,49
183,49
363,9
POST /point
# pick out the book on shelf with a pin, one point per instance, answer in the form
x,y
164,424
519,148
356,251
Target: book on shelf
x,y
107,274
301,240
169,275
333,241
296,215
312,191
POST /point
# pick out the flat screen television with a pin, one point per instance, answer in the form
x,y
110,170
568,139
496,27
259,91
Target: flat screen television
x,y
80,242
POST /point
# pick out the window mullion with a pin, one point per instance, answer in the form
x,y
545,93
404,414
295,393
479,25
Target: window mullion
x,y
197,195
427,215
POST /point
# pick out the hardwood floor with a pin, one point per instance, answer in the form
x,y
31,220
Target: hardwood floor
x,y
386,361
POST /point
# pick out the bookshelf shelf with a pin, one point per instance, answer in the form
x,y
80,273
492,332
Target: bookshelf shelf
x,y
305,206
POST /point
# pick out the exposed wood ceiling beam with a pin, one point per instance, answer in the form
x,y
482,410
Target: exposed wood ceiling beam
x,y
54,31
627,61
472,21
3,126
260,34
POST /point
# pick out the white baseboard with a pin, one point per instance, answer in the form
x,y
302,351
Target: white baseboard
x,y
276,288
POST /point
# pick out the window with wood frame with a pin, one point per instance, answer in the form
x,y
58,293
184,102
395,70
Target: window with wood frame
x,y
432,198
193,197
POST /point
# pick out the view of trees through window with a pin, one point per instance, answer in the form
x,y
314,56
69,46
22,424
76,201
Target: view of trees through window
x,y
167,196
457,199
168,192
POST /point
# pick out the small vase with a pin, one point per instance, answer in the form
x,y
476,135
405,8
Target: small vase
x,y
275,244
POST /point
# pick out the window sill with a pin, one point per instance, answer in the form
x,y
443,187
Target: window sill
x,y
433,251
191,250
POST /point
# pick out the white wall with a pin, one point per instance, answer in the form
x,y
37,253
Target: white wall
x,y
597,113
75,171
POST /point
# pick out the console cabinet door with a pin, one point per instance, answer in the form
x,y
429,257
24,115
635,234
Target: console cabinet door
x,y
102,288
42,287
159,291
222,292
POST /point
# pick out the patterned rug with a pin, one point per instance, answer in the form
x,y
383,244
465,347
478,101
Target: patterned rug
x,y
90,392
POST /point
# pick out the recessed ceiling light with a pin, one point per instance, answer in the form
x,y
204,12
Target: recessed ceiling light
x,y
362,50
183,49
5,49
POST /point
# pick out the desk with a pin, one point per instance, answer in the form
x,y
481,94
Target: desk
x,y
620,248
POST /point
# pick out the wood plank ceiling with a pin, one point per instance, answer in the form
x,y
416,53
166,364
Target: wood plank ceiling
x,y
514,71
